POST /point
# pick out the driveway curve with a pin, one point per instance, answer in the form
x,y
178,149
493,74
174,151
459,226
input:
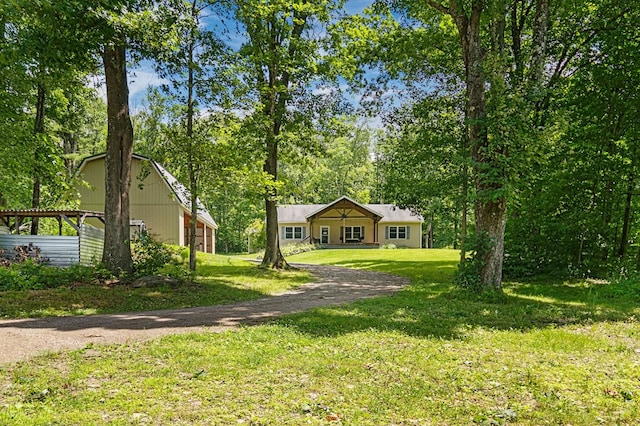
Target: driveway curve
x,y
23,338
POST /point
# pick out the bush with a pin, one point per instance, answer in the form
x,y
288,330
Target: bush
x,y
467,276
150,256
389,246
30,275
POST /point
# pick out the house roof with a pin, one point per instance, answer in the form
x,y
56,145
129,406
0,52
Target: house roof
x,y
300,213
344,202
179,191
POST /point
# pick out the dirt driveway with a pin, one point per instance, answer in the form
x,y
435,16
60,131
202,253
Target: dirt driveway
x,y
23,338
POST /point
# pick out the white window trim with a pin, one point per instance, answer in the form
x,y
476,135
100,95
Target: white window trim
x,y
395,229
291,231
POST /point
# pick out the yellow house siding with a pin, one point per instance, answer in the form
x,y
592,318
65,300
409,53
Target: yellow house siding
x,y
415,234
335,225
283,240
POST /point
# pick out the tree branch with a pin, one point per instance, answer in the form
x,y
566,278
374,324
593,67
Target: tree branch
x,y
439,7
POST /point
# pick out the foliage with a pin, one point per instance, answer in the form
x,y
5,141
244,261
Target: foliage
x,y
150,256
340,165
467,276
389,246
624,287
422,163
296,248
33,275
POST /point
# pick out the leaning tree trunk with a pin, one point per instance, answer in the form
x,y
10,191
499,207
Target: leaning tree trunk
x,y
117,248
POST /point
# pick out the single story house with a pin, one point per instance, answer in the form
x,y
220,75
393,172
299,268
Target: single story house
x,y
157,202
345,222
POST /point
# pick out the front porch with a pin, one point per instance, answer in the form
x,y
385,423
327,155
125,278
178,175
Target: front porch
x,y
343,224
350,246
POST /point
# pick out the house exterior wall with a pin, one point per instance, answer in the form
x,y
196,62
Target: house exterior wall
x,y
205,235
150,199
282,236
414,239
335,226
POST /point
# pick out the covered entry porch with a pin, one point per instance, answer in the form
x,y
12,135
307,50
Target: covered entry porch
x,y
344,223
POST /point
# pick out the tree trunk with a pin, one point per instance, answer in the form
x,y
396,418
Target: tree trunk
x,y
38,129
275,88
117,248
624,238
193,178
465,209
273,257
490,211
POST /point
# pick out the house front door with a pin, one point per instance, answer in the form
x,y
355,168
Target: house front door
x,y
324,235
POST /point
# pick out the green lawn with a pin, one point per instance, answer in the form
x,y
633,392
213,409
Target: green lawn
x,y
220,280
552,352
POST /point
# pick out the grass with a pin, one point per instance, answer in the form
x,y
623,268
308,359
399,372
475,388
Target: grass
x,y
554,353
220,280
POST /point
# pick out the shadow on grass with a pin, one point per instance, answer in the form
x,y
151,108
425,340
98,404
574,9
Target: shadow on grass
x,y
214,285
433,307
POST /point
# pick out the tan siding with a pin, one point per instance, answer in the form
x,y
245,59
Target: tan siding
x,y
284,242
92,198
150,199
415,234
335,224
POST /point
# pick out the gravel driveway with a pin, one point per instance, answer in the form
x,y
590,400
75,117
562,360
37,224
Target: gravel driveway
x,y
23,338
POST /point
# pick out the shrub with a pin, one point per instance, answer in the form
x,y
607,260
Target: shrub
x,y
30,275
149,255
467,276
389,246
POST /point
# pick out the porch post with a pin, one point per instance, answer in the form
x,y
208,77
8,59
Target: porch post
x,y
204,237
375,231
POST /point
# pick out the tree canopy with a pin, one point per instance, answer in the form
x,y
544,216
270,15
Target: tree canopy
x,y
511,121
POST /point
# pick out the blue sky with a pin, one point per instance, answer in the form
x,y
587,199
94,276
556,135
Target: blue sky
x,y
142,76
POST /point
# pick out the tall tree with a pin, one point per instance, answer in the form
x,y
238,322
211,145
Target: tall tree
x,y
282,54
503,50
117,249
196,75
117,24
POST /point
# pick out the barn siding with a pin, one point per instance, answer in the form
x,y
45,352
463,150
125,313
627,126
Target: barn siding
x,y
150,199
91,245
61,251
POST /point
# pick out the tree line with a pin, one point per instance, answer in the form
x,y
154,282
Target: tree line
x,y
509,125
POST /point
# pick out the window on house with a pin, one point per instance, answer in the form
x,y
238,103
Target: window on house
x,y
397,232
294,232
352,232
